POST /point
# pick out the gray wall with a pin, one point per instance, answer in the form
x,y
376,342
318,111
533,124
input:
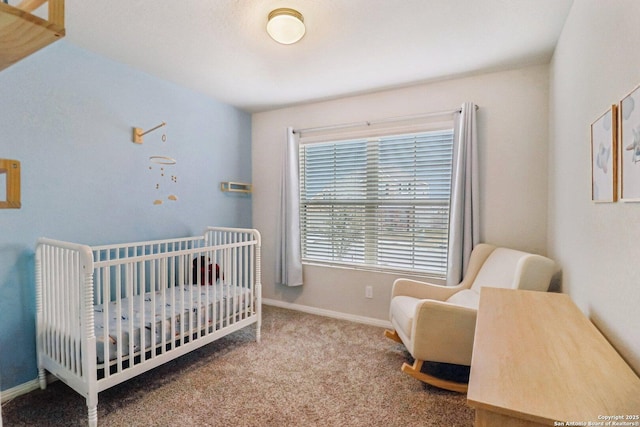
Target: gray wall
x,y
513,133
595,65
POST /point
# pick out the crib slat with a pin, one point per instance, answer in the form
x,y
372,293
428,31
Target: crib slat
x,y
162,283
106,299
119,344
152,317
129,285
171,283
143,311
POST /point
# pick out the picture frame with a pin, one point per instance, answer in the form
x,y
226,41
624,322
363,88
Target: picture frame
x,y
10,180
604,170
630,146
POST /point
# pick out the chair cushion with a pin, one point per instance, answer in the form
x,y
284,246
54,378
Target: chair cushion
x,y
403,310
466,298
499,270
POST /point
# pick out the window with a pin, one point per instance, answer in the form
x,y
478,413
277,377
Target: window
x,y
381,203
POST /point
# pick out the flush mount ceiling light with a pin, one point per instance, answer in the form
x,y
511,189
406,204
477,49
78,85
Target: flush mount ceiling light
x,y
285,25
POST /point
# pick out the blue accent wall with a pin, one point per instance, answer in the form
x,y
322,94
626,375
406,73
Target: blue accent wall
x,y
67,115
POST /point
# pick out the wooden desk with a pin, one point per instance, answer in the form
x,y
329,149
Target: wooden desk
x,y
537,360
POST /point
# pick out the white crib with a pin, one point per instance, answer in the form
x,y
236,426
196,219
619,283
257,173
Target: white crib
x,y
108,313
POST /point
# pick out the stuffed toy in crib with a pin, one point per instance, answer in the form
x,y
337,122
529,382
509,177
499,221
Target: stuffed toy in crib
x,y
206,271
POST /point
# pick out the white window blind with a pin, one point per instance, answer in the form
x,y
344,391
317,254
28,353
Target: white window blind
x,y
381,203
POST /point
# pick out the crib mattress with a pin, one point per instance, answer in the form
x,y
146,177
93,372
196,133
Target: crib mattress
x,y
215,302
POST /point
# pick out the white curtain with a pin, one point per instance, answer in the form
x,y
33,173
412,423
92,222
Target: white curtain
x,y
464,221
289,257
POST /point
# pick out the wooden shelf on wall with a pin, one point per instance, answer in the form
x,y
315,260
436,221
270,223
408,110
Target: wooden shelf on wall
x,y
235,187
22,33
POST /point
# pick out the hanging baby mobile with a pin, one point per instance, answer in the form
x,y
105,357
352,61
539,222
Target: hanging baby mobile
x,y
163,163
162,167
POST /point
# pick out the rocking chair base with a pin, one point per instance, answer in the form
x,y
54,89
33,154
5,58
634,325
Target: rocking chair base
x,y
415,371
392,335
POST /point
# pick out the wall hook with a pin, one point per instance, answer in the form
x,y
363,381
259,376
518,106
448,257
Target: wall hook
x,y
138,134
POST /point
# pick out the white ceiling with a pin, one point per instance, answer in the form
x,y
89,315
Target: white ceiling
x,y
221,48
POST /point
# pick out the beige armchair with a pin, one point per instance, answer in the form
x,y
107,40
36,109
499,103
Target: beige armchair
x,y
437,323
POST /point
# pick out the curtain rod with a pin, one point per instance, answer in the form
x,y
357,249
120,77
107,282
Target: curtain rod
x,y
375,122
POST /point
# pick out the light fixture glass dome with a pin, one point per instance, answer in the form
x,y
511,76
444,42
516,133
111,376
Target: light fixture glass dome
x,y
285,25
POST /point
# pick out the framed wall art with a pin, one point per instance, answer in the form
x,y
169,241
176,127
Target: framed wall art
x,y
630,146
604,172
10,183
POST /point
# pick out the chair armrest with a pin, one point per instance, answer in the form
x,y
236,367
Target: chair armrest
x,y
423,290
443,332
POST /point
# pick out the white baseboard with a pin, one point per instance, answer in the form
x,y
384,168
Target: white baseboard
x,y
19,390
328,313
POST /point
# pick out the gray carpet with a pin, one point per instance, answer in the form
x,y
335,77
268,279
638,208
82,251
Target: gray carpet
x,y
307,371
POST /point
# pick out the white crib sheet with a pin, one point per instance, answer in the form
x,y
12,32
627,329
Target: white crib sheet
x,y
217,298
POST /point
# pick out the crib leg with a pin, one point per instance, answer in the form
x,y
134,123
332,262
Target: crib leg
x,y
258,304
42,376
259,325
92,406
93,416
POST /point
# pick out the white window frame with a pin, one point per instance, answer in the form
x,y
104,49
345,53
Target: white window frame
x,y
410,202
